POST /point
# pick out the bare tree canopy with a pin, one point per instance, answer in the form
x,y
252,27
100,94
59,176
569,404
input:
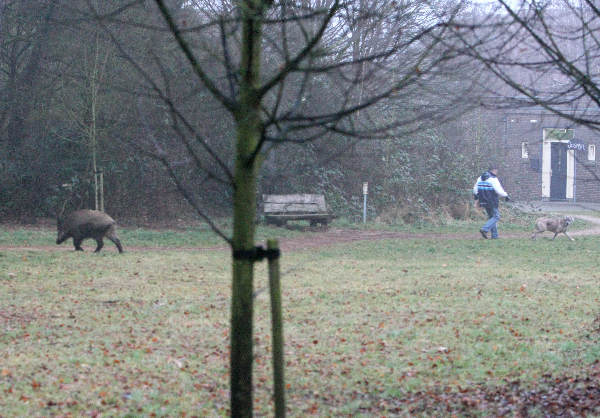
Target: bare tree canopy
x,y
544,53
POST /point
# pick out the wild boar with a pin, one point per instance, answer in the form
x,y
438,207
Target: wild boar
x,y
85,223
556,225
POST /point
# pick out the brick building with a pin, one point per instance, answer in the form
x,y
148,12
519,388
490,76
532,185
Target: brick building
x,y
546,157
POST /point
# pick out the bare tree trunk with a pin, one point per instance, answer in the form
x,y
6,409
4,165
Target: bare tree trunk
x,y
22,105
92,132
95,74
249,131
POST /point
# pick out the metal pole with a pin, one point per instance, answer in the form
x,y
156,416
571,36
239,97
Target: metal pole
x,y
365,192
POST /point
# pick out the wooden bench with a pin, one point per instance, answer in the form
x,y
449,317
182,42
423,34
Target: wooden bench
x,y
280,208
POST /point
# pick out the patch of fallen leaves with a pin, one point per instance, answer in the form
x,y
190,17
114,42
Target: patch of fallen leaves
x,y
551,396
18,317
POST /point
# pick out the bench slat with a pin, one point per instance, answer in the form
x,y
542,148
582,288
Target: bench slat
x,y
294,198
293,207
298,216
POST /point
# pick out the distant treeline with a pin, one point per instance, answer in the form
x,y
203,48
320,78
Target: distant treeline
x,y
72,103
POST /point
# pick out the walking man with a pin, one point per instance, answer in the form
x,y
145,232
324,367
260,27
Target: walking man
x,y
486,191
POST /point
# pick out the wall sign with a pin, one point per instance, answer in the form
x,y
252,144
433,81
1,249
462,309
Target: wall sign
x,y
577,146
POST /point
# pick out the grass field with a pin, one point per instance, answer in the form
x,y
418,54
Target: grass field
x,y
196,236
366,324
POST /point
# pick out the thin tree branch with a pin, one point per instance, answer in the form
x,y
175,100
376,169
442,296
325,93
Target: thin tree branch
x,y
227,102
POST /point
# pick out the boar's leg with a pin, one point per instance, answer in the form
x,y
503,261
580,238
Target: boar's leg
x,y
111,234
99,244
565,232
555,234
117,243
77,242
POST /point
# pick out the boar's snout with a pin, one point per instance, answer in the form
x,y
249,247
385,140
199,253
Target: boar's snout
x,y
62,237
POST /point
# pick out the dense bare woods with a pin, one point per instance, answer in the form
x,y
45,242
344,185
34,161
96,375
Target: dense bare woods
x,y
83,87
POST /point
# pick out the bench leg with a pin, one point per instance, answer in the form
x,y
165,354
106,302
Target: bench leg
x,y
276,222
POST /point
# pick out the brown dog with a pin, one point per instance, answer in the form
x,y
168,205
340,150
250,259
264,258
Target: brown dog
x,y
556,225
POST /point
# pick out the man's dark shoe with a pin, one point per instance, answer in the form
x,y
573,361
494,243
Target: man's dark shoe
x,y
483,233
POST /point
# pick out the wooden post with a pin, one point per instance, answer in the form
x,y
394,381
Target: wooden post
x,y
96,190
277,329
102,190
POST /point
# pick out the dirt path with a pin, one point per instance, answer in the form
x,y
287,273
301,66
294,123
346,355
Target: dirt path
x,y
332,237
336,236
